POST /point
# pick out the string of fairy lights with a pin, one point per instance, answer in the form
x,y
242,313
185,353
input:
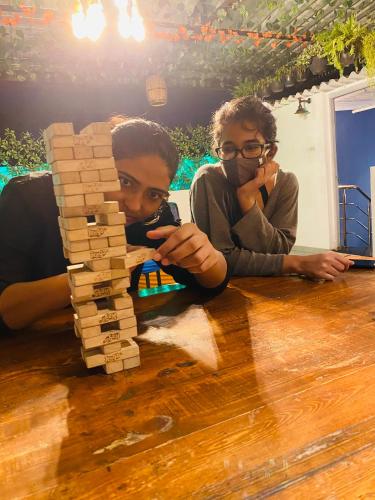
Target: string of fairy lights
x,y
88,20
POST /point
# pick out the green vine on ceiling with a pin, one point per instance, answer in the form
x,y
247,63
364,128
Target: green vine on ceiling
x,y
23,55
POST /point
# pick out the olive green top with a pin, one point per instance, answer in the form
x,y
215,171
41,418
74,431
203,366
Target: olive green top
x,y
254,243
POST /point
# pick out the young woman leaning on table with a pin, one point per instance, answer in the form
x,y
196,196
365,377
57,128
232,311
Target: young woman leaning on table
x,y
33,279
247,205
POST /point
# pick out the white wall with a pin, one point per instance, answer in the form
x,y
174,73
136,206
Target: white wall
x,y
305,148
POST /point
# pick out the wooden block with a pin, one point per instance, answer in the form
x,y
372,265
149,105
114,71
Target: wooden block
x,y
106,316
82,153
120,302
76,332
98,265
109,348
108,175
66,178
120,285
92,140
90,175
106,338
102,253
97,128
93,292
134,257
80,276
59,154
97,243
93,357
116,366
83,165
91,331
131,362
92,230
61,141
66,253
85,310
129,349
118,262
94,199
76,246
59,129
85,211
116,241
111,219
70,201
102,151
86,188
72,223
127,323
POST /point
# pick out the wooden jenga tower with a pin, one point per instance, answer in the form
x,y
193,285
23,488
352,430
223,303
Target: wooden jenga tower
x,y
83,170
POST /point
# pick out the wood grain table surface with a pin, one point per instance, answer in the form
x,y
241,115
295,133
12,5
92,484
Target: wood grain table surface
x,y
266,391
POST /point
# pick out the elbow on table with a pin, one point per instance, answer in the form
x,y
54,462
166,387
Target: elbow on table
x,y
11,317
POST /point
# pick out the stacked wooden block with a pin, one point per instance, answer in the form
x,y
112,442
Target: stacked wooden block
x,y
83,170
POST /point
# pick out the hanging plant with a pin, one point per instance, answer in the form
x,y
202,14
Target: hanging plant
x,y
368,51
262,88
245,88
343,43
316,55
302,65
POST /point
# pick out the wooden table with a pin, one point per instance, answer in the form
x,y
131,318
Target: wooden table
x,y
265,391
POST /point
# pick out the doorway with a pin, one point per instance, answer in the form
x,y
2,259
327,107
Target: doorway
x,y
355,154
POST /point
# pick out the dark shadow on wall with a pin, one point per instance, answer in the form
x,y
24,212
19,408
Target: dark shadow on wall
x,y
28,106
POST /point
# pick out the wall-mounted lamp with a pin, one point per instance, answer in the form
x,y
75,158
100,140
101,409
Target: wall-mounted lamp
x,y
301,110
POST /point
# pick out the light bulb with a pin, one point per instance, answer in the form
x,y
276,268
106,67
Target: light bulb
x,y
137,25
79,22
95,21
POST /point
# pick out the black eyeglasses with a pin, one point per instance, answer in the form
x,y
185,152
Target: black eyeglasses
x,y
250,150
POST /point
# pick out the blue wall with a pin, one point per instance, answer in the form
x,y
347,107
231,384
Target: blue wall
x,y
355,142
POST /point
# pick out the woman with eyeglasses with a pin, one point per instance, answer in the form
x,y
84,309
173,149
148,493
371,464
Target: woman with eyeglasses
x,y
33,278
247,205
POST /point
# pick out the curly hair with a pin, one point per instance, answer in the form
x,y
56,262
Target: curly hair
x,y
132,137
244,109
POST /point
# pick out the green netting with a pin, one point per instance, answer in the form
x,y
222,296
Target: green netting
x,y
182,180
187,169
7,173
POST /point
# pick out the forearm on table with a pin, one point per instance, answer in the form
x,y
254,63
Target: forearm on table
x,y
292,264
243,262
23,303
215,275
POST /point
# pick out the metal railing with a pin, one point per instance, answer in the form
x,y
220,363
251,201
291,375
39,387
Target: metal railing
x,y
344,219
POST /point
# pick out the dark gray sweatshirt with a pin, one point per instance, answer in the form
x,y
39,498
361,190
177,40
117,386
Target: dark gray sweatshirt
x,y
254,243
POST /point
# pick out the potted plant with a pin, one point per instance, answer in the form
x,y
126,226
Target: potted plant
x,y
290,80
368,52
244,88
278,82
262,88
343,43
302,66
316,55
